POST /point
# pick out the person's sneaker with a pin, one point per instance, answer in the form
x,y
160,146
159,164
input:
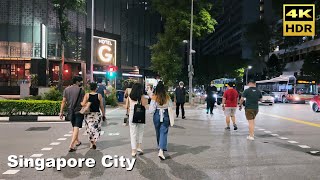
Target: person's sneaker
x,y
207,112
227,128
250,138
235,127
177,116
183,117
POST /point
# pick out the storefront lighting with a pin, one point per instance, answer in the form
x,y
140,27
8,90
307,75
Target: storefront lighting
x,y
132,75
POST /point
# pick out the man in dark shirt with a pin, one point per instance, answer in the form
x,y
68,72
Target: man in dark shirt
x,y
72,97
102,90
211,100
253,96
180,99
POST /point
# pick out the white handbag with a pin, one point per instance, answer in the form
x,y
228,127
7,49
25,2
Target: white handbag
x,y
171,115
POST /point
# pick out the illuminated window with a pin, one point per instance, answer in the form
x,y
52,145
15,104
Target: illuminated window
x,y
261,8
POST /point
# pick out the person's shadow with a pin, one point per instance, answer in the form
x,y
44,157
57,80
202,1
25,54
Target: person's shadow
x,y
151,170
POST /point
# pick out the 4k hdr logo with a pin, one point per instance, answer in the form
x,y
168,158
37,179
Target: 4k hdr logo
x,y
299,20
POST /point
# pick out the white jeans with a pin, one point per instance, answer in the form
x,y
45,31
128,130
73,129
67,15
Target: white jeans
x,y
136,131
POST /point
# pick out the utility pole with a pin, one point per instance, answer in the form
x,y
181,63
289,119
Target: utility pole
x,y
190,68
92,34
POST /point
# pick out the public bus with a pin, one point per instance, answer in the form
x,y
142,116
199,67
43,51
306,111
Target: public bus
x,y
289,89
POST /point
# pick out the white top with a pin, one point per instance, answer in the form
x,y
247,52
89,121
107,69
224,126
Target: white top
x,y
154,106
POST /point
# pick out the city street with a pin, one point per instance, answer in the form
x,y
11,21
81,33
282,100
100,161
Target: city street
x,y
286,146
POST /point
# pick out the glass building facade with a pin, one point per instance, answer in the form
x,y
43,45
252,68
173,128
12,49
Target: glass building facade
x,y
130,22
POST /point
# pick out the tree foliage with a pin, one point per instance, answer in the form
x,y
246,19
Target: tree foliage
x,y
63,7
166,58
258,35
311,65
274,67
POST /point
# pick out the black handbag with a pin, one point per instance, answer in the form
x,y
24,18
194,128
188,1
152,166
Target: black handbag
x,y
72,112
139,114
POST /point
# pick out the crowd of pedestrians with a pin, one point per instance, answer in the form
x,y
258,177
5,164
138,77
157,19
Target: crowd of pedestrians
x,y
90,107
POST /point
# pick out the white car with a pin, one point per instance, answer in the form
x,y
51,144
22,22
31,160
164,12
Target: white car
x,y
267,98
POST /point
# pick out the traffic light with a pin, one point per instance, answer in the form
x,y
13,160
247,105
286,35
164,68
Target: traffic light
x,y
112,71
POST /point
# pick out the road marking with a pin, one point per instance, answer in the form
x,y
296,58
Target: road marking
x,y
261,129
11,172
114,134
269,132
101,133
293,142
274,134
304,146
62,139
283,138
46,149
54,144
314,152
36,155
68,135
293,120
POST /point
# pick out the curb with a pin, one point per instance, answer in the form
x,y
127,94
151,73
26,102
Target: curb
x,y
31,119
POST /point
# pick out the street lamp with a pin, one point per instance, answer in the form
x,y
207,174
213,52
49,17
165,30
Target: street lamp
x,y
190,56
92,34
248,68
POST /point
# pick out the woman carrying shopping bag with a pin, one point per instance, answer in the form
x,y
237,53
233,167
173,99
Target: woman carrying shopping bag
x,y
93,118
137,116
163,117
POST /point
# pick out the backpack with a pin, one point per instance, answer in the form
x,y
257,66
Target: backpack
x,y
139,113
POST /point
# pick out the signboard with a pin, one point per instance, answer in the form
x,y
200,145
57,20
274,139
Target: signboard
x,y
299,20
43,41
105,51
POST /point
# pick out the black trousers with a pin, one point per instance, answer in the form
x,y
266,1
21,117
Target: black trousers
x,y
178,107
210,105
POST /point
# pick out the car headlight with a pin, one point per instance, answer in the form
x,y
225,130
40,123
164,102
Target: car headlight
x,y
215,96
272,98
205,95
297,98
276,96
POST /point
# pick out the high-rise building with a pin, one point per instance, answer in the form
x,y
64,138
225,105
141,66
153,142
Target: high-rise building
x,y
228,38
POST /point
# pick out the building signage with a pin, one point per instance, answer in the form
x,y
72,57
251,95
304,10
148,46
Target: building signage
x,y
105,51
43,41
299,20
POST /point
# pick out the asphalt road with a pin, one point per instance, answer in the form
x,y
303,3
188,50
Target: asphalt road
x,y
285,147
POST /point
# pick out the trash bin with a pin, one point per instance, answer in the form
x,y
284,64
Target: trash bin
x,y
120,95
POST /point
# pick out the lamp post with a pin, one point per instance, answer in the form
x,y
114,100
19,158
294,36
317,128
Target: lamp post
x,y
248,68
92,34
190,68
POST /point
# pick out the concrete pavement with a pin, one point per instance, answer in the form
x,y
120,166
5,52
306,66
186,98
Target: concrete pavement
x,y
199,147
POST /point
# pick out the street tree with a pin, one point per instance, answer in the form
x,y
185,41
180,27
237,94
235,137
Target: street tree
x,y
62,7
165,57
259,34
274,67
311,65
